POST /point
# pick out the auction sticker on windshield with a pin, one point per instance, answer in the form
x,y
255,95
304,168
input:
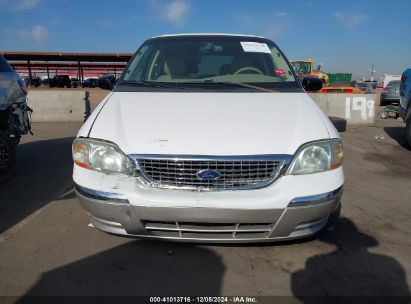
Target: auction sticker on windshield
x,y
258,47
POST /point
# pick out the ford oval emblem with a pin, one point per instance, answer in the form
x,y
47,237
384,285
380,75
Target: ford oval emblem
x,y
208,174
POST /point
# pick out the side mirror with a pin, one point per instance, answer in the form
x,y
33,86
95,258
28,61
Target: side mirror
x,y
105,84
339,123
312,84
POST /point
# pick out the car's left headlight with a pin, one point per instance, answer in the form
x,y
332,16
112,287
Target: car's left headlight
x,y
101,156
317,156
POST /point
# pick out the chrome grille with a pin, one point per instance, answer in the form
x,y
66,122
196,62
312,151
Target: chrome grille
x,y
236,173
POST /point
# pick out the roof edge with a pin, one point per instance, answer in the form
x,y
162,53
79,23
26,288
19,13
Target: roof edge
x,y
208,34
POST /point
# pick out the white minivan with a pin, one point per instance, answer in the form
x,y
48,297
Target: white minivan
x,y
209,138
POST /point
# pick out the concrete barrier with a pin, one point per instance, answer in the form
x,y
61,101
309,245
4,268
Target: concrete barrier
x,y
356,108
57,106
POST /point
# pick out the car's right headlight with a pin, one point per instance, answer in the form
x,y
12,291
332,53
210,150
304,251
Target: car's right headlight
x,y
101,156
317,156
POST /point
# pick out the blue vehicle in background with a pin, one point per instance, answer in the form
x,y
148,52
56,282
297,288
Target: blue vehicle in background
x,y
405,102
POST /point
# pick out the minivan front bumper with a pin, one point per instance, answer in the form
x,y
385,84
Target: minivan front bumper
x,y
303,216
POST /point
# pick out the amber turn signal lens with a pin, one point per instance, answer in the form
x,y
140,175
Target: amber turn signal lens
x,y
83,165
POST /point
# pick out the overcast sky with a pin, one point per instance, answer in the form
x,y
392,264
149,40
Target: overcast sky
x,y
345,36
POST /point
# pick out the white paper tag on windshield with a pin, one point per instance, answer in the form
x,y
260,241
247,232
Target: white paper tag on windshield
x,y
255,47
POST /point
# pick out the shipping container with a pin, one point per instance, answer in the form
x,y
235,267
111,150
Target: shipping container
x,y
339,77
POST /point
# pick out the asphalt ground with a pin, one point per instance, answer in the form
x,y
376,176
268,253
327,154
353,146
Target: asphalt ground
x,y
47,248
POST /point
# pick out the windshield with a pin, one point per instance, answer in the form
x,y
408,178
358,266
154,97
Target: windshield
x,y
185,60
394,83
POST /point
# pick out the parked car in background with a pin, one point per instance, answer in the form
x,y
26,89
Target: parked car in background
x,y
405,102
75,82
90,83
60,81
14,120
35,82
106,82
373,82
366,87
347,87
391,93
190,146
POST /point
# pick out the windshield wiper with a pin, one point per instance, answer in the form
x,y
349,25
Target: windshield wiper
x,y
238,84
144,83
176,85
179,85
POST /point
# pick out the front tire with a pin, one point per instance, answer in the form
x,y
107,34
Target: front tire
x,y
7,157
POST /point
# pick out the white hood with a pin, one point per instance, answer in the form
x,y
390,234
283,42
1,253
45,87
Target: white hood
x,y
210,123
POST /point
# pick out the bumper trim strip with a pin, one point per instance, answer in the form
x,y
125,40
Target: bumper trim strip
x,y
101,195
316,199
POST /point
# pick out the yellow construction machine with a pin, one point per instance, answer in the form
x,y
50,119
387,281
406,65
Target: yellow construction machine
x,y
306,68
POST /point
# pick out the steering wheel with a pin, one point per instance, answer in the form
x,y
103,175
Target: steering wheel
x,y
249,68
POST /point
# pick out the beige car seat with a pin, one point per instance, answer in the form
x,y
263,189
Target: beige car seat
x,y
174,68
